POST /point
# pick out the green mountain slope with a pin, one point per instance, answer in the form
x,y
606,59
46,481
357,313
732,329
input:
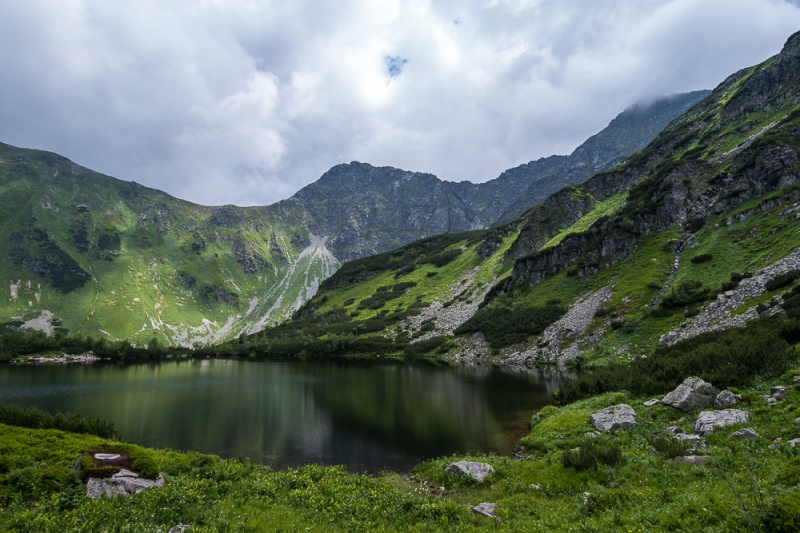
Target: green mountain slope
x,y
694,233
94,255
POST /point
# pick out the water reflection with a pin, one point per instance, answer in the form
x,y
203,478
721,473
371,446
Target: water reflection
x,y
366,416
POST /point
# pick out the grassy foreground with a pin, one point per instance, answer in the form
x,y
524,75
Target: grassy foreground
x,y
634,489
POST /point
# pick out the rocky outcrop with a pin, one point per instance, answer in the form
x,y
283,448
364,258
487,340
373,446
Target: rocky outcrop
x,y
476,471
693,393
745,434
485,509
123,483
613,418
725,399
710,420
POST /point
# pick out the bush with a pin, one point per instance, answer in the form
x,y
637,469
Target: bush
x,y
31,417
591,454
784,514
783,280
670,447
504,326
686,293
702,258
729,358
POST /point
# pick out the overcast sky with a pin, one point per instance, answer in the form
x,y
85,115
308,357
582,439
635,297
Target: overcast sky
x,y
246,101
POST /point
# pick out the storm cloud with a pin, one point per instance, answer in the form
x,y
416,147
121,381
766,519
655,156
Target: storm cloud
x,y
246,101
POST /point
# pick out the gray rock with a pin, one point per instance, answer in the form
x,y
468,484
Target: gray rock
x,y
485,509
674,429
794,442
796,379
710,420
779,393
612,418
693,459
123,483
180,528
797,420
691,394
651,403
689,438
477,471
725,399
745,433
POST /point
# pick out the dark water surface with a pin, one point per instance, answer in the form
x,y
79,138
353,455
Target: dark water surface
x,y
368,417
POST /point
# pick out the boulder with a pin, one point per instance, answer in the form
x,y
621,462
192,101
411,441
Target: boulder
x,y
621,416
794,442
797,420
693,459
725,399
485,509
779,393
710,420
691,394
477,471
123,483
746,433
651,403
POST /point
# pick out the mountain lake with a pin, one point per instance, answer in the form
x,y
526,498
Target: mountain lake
x,y
366,416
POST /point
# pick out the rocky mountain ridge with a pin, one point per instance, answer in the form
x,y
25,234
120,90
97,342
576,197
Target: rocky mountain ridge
x,y
91,254
694,233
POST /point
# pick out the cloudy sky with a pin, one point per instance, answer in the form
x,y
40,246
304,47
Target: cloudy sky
x,y
246,101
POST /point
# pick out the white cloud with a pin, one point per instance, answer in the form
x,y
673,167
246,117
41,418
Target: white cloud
x,y
245,101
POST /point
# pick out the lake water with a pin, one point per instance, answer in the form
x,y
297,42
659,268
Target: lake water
x,y
368,417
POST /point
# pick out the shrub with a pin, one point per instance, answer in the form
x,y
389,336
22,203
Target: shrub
x,y
778,282
31,417
687,292
504,326
670,447
591,454
784,514
702,258
729,358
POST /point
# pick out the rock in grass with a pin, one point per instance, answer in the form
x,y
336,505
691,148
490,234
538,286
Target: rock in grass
x,y
676,430
180,528
779,393
794,442
691,394
746,433
725,399
485,509
477,471
123,483
651,403
621,416
710,420
797,420
693,459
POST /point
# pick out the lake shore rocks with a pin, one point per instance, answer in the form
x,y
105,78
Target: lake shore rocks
x,y
621,416
123,483
710,420
691,394
477,471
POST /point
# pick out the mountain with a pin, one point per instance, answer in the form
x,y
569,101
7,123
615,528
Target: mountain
x,y
693,234
92,254
366,210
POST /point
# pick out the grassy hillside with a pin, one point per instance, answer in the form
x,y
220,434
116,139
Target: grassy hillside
x,y
93,255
